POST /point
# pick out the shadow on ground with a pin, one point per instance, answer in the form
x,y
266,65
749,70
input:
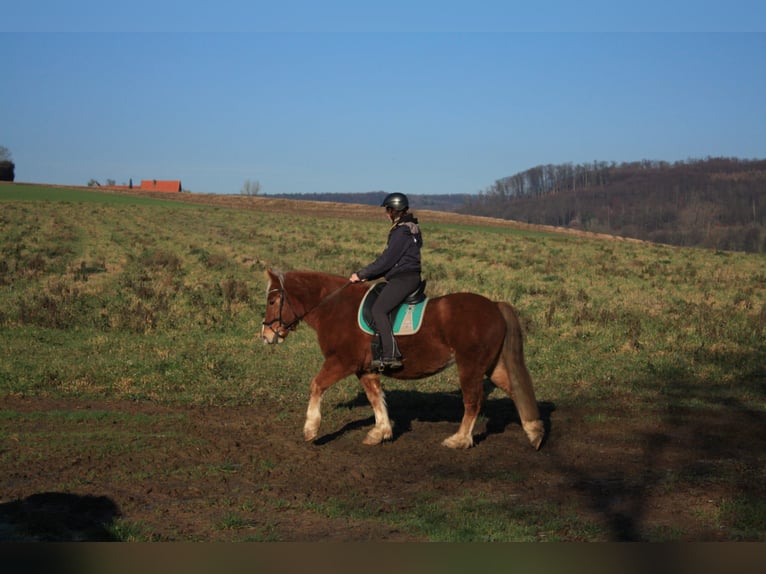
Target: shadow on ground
x,y
407,406
58,517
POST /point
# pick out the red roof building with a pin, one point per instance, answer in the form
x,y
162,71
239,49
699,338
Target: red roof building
x,y
169,185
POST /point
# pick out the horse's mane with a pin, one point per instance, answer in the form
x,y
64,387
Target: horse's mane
x,y
314,277
307,281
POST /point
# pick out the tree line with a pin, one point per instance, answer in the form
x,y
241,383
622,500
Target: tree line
x,y
435,202
712,202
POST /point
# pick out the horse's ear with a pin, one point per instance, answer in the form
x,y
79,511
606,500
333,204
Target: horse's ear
x,y
273,276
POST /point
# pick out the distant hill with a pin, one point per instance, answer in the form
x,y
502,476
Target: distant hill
x,y
443,202
715,202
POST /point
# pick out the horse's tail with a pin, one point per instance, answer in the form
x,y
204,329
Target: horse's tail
x,y
512,376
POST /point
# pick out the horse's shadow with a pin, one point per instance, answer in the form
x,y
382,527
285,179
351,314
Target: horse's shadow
x,y
406,406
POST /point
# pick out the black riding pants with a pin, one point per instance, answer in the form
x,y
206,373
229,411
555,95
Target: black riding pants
x,y
396,289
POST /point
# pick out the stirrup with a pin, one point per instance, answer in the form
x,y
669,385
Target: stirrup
x,y
390,363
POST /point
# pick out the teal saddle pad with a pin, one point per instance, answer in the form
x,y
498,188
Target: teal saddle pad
x,y
405,319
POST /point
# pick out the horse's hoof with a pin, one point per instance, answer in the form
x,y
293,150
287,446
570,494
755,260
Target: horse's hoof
x,y
309,436
537,441
457,441
372,440
377,437
535,431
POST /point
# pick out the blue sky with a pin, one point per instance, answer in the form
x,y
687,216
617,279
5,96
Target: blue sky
x,y
418,97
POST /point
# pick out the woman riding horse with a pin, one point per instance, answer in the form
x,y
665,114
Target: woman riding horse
x,y
400,265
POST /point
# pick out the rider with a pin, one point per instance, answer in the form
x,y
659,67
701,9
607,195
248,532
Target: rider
x,y
400,264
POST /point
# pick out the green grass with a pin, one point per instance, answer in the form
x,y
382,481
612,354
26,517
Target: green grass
x,y
113,295
474,519
747,515
63,194
110,296
130,531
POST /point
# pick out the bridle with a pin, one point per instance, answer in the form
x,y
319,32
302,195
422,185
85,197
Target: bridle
x,y
282,300
291,326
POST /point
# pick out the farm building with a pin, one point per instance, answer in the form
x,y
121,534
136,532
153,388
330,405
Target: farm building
x,y
167,185
170,185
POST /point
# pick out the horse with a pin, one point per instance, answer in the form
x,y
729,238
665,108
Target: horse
x,y
482,337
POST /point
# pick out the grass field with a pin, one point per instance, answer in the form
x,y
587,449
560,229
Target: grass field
x,y
115,297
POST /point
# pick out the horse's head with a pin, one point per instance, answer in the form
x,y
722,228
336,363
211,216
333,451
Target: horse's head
x,y
280,316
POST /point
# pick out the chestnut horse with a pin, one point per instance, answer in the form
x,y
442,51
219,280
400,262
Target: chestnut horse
x,y
483,337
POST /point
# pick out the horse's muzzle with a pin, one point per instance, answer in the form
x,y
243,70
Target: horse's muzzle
x,y
270,336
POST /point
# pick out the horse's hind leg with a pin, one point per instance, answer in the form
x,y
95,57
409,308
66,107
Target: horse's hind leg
x,y
526,406
512,376
382,430
471,383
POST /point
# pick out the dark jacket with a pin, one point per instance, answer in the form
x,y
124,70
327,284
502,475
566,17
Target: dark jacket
x,y
402,253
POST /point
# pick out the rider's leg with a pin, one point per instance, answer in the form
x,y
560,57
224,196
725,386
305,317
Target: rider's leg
x,y
397,288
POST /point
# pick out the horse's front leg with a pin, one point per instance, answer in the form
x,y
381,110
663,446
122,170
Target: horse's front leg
x,y
372,388
331,372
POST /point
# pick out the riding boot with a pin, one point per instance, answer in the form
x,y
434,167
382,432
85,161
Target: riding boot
x,y
392,360
382,360
376,349
387,358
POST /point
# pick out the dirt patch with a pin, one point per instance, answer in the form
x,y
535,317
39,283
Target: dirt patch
x,y
72,470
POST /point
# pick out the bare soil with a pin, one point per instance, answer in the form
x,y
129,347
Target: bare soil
x,y
244,473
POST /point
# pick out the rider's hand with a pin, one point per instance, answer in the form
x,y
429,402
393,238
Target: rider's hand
x,y
355,278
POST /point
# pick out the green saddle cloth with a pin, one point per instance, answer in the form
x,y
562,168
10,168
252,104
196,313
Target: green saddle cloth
x,y
405,319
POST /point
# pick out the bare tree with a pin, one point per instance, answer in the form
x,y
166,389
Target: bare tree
x,y
251,187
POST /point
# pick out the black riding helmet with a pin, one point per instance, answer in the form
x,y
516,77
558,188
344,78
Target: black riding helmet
x,y
396,201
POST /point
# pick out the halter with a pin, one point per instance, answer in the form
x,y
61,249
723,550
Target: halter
x,y
297,318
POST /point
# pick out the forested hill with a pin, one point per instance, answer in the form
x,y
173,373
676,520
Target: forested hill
x,y
716,202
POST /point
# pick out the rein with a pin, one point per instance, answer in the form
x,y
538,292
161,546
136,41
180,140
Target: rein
x,y
298,318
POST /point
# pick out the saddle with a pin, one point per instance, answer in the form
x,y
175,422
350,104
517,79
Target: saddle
x,y
406,319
